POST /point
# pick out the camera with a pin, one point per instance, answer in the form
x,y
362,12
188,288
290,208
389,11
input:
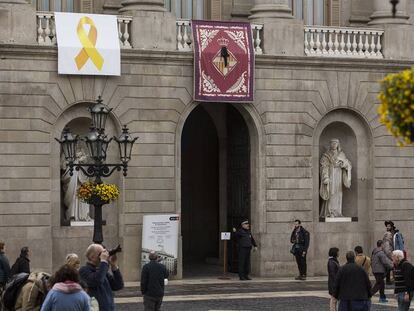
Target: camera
x,y
115,250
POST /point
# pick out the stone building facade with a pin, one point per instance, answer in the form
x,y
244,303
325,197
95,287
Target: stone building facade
x,y
212,163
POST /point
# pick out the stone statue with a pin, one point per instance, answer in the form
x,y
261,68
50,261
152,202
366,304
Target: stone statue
x,y
335,171
76,209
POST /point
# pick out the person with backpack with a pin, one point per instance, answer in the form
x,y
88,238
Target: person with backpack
x,y
404,280
22,263
66,294
362,260
33,292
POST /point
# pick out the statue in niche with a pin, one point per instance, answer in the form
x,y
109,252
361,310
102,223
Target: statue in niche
x,y
335,171
76,210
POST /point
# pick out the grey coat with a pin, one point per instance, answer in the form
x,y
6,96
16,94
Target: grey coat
x,y
380,262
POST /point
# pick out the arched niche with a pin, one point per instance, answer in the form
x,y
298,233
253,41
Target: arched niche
x,y
356,140
348,143
350,127
75,239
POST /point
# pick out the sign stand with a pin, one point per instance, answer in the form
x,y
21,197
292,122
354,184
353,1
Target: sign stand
x,y
225,236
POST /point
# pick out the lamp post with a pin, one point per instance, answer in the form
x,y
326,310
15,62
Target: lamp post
x,y
97,143
394,6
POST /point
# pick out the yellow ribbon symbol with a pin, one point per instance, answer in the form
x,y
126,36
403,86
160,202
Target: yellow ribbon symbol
x,y
88,44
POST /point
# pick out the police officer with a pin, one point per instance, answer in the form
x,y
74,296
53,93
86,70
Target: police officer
x,y
245,243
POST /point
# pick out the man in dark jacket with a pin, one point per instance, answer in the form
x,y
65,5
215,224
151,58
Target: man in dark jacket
x,y
4,267
352,286
300,239
245,243
333,268
22,263
404,280
96,274
380,264
153,276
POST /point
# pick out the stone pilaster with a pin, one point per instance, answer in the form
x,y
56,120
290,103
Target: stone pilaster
x,y
152,27
383,13
17,22
282,34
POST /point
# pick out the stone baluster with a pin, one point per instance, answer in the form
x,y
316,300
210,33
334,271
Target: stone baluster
x,y
311,43
47,30
330,43
354,43
324,51
121,43
127,45
348,45
186,37
372,45
379,53
336,43
180,45
257,41
360,44
306,41
53,29
40,35
318,43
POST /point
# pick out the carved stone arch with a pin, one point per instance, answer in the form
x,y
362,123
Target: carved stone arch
x,y
356,138
257,175
70,238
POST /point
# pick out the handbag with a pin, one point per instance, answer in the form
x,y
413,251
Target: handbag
x,y
295,249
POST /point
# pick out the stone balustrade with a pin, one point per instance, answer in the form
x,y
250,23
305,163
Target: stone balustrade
x,y
343,42
46,30
185,37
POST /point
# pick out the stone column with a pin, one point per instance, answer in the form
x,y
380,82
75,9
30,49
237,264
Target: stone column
x,y
360,12
398,39
282,34
112,7
17,22
152,27
383,13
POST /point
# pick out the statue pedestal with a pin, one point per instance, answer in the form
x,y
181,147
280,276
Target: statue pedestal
x,y
338,219
81,223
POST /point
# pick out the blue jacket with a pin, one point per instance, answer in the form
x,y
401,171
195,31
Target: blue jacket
x,y
398,241
58,300
4,268
101,284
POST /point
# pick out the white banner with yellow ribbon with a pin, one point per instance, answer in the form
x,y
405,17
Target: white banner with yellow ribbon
x,y
88,44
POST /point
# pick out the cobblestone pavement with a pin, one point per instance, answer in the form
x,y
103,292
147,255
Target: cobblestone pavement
x,y
241,296
274,304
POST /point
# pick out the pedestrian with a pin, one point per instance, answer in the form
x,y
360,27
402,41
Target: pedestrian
x,y
300,243
153,277
362,260
380,264
388,249
404,280
100,281
397,238
33,292
4,267
333,268
73,261
22,263
66,294
245,243
352,286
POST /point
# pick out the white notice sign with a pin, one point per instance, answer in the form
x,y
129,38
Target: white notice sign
x,y
88,44
160,234
225,236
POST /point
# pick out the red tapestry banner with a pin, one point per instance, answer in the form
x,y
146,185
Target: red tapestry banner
x,y
223,61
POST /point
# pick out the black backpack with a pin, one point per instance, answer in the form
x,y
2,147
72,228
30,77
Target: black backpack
x,y
12,290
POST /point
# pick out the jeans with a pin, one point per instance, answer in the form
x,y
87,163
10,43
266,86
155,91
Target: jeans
x,y
354,305
301,262
379,284
404,305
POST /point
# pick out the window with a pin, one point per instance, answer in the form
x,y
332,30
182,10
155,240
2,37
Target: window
x,y
54,5
188,9
312,12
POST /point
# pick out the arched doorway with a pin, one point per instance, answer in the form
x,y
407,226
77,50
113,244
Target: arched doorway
x,y
215,185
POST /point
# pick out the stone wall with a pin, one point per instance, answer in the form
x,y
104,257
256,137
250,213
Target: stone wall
x,y
295,98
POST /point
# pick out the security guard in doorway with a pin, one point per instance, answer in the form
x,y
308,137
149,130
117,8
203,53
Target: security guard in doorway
x,y
245,243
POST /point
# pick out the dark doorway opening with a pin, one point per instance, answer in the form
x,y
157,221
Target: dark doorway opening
x,y
215,186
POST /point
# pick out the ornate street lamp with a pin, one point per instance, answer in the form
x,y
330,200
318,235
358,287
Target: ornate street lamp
x,y
97,142
394,6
